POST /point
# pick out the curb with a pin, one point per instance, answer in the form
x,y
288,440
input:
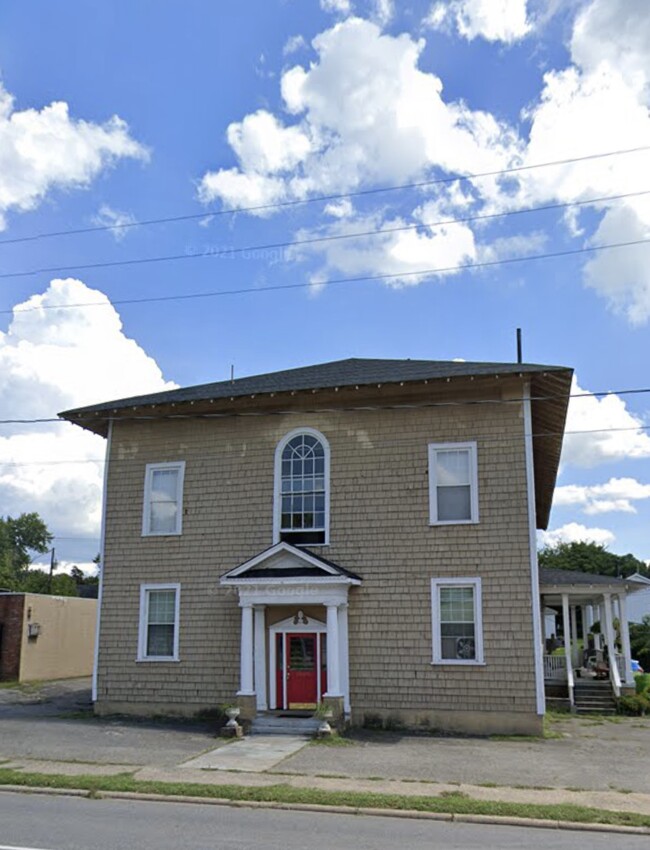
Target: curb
x,y
410,814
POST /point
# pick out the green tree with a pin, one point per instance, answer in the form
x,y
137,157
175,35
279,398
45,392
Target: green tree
x,y
590,558
38,581
640,642
18,539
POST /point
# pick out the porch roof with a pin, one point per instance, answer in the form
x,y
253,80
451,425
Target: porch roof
x,y
583,585
284,561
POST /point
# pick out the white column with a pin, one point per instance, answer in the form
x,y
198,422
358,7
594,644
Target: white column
x,y
246,649
344,656
609,627
574,636
585,629
260,656
333,657
625,638
566,628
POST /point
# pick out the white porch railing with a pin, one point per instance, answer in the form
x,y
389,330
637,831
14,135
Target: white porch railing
x,y
614,672
555,667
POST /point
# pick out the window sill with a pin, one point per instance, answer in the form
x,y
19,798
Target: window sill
x,y
450,662
454,522
157,659
161,534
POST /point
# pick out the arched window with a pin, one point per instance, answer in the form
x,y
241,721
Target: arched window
x,y
302,488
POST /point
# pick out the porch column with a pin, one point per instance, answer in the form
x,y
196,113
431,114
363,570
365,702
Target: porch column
x,y
574,636
610,638
333,653
625,638
566,627
246,650
260,656
585,627
344,656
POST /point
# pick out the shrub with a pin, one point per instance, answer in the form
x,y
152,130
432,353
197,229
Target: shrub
x,y
635,705
642,683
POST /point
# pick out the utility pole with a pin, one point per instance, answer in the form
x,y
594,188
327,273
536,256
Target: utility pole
x,y
49,584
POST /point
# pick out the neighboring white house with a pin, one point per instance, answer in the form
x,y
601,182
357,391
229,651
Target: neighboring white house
x,y
638,605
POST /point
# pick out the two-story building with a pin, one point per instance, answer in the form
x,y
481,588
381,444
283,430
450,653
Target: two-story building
x,y
360,532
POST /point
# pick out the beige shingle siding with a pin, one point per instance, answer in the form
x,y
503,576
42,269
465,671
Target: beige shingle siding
x,y
379,528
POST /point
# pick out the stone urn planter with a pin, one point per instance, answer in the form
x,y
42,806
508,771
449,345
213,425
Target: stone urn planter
x,y
324,713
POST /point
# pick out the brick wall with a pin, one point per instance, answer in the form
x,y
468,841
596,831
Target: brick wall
x,y
11,625
379,528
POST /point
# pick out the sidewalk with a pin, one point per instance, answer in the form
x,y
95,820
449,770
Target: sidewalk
x,y
599,764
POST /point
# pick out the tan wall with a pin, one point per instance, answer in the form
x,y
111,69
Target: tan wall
x,y
65,646
379,529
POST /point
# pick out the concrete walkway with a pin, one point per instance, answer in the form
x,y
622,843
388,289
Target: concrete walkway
x,y
251,755
590,762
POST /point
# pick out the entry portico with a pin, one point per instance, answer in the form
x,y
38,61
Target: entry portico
x,y
301,658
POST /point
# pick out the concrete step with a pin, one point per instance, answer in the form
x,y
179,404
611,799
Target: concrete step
x,y
269,724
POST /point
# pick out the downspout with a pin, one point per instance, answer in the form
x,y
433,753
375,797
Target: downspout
x,y
102,542
534,568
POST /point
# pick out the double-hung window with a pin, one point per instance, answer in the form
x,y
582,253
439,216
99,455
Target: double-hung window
x,y
457,621
159,621
163,498
453,483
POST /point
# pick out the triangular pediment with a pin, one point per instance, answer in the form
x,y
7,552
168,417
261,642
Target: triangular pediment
x,y
285,562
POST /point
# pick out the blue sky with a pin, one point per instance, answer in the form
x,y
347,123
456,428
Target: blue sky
x,y
223,106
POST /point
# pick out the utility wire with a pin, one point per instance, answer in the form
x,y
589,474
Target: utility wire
x,y
483,439
296,243
372,407
344,280
322,198
330,238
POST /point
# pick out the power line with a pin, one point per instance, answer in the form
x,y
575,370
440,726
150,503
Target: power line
x,y
296,243
323,198
396,406
334,281
483,439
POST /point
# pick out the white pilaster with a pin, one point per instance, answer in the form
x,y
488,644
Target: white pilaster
x,y
536,600
344,656
333,653
260,656
246,658
625,638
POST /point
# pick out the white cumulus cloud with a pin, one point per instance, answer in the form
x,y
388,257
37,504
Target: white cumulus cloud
x,y
602,430
54,357
493,20
574,532
47,149
117,221
617,494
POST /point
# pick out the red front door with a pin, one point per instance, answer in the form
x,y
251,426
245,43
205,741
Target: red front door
x,y
302,690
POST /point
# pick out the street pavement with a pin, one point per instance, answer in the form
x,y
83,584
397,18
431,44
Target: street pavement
x,y
33,822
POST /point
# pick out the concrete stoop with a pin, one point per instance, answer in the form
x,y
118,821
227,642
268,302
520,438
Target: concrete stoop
x,y
280,723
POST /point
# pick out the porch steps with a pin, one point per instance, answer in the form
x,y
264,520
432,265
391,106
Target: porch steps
x,y
594,698
273,723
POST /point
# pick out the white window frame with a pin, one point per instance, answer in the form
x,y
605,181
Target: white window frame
x,y
436,584
145,590
277,485
146,510
470,448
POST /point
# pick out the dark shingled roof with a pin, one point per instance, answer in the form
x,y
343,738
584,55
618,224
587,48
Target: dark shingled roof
x,y
338,373
574,577
550,387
